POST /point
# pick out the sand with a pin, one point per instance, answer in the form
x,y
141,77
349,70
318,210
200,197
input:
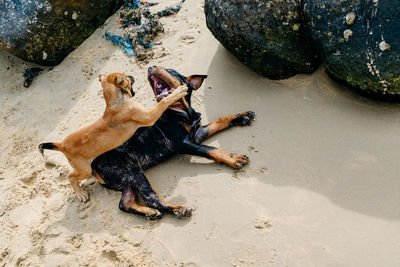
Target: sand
x,y
322,188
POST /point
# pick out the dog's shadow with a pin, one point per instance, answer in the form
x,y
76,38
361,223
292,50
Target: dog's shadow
x,y
101,212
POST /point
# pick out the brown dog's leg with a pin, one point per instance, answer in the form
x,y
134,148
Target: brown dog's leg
x,y
242,119
128,204
82,171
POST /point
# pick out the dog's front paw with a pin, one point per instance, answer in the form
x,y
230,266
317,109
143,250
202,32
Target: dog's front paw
x,y
178,93
245,118
182,212
240,161
153,215
83,196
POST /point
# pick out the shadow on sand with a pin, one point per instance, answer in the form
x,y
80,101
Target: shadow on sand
x,y
314,134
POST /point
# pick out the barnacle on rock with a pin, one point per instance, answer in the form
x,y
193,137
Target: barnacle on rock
x,y
350,18
384,46
347,33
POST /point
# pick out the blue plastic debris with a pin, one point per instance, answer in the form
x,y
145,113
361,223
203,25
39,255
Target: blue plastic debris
x,y
123,42
169,11
139,33
134,4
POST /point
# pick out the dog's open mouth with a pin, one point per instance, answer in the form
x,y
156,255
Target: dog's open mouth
x,y
160,88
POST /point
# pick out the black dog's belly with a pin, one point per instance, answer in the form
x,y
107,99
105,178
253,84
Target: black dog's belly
x,y
113,168
119,167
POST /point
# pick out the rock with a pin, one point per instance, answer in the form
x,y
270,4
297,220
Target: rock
x,y
360,42
187,38
268,36
46,31
262,224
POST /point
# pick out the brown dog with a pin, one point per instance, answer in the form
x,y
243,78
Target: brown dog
x,y
121,118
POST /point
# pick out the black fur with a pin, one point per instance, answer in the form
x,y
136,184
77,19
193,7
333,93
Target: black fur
x,y
44,146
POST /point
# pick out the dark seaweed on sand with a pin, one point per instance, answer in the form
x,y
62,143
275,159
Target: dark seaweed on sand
x,y
140,27
30,74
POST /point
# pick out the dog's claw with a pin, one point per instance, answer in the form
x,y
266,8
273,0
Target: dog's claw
x,y
251,114
153,216
183,212
83,197
243,119
240,161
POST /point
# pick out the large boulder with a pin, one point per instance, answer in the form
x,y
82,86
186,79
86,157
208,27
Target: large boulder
x,y
46,31
268,36
360,41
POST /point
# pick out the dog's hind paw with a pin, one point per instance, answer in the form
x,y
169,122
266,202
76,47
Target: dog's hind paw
x,y
243,119
156,214
240,161
182,212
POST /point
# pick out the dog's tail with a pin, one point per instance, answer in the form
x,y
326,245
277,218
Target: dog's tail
x,y
52,146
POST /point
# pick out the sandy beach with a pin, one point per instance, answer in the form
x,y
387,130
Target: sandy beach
x,y
322,187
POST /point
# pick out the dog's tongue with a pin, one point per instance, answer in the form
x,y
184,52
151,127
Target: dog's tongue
x,y
157,83
161,90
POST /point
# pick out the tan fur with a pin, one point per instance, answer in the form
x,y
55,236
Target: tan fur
x,y
232,160
121,118
220,124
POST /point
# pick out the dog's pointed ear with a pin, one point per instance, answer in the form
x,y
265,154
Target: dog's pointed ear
x,y
196,80
118,80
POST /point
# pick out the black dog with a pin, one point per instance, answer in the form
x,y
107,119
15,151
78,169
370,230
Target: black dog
x,y
178,131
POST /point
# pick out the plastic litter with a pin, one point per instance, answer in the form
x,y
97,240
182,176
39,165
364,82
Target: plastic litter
x,y
170,10
124,42
140,27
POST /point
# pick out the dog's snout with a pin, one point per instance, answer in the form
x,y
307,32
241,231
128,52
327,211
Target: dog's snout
x,y
150,68
101,76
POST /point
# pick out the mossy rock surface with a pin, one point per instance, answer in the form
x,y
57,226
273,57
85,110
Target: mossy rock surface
x,y
360,42
46,31
268,36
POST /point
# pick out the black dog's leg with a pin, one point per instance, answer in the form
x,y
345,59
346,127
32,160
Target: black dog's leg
x,y
233,160
128,204
152,199
242,119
